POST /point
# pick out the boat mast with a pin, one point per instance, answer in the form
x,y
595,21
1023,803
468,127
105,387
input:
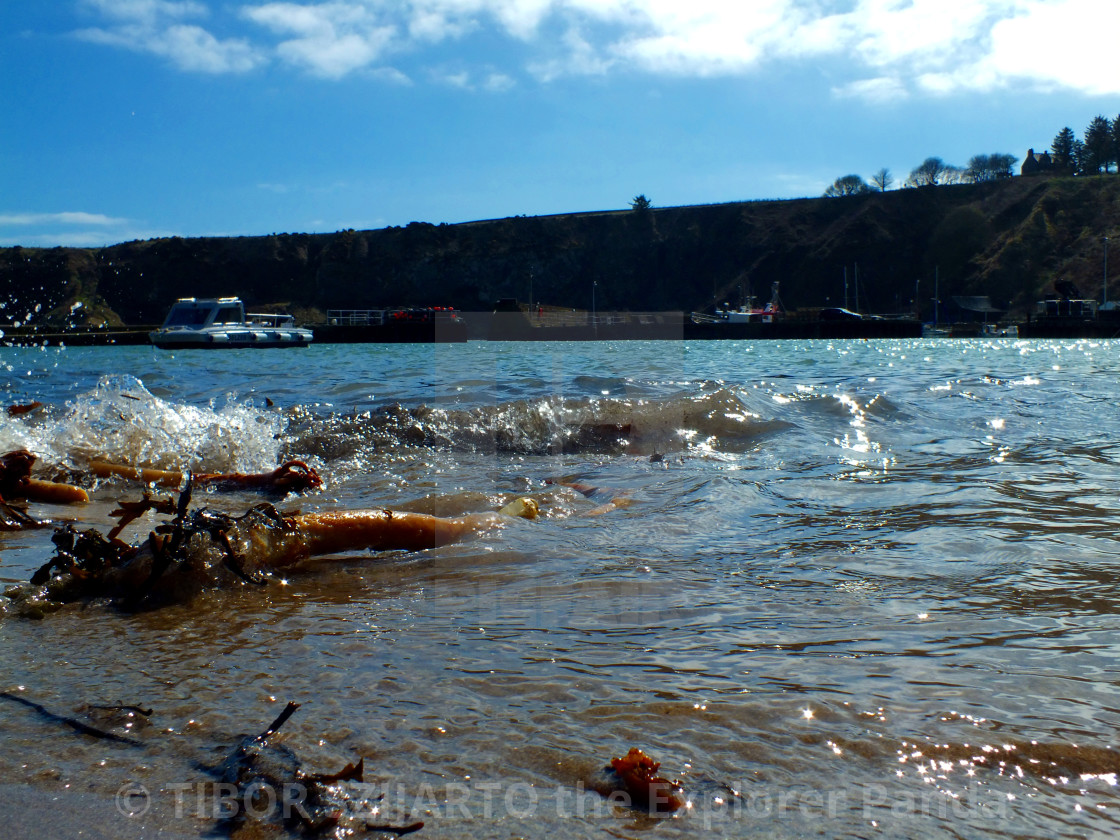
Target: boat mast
x,y
775,304
936,302
1104,285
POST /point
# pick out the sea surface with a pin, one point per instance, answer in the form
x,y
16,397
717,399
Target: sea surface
x,y
843,589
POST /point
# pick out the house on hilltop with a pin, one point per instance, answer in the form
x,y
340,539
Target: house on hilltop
x,y
1036,165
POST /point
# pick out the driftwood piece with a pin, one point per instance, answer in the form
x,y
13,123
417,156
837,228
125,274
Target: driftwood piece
x,y
73,723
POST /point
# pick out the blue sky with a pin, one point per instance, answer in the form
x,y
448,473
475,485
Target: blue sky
x,y
128,119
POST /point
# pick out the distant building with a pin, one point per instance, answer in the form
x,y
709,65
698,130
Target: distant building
x,y
1036,165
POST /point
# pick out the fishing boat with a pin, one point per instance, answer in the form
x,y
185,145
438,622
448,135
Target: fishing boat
x,y
222,322
1066,314
773,322
746,314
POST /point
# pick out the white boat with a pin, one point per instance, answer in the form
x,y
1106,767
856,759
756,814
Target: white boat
x,y
222,322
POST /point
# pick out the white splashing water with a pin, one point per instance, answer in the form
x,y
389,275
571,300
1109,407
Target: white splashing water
x,y
121,421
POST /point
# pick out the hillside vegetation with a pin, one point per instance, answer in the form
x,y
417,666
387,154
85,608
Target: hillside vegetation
x,y
1008,239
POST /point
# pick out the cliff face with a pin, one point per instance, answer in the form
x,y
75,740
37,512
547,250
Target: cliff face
x,y
1009,240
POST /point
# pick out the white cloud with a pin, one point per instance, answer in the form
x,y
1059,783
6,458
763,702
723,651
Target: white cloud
x,y
705,37
148,11
76,229
190,48
877,49
330,39
193,48
459,80
435,22
937,32
579,57
1067,43
498,82
67,218
491,82
155,26
522,18
882,90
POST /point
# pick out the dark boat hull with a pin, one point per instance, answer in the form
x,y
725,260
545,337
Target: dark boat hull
x,y
403,332
1069,328
227,345
792,329
675,326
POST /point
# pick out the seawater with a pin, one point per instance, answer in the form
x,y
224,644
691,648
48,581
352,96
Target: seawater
x,y
843,589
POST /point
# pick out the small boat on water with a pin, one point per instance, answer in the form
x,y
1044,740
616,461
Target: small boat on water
x,y
222,322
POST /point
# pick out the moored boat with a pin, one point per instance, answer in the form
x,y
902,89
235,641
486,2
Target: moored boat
x,y
1064,315
773,321
745,314
222,322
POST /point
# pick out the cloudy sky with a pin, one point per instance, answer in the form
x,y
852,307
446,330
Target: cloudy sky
x,y
125,119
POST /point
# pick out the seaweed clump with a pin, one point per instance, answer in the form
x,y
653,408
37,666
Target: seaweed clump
x,y
193,551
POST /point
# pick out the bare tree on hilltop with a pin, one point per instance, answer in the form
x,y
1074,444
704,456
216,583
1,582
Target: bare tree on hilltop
x,y
847,185
931,172
984,168
1097,151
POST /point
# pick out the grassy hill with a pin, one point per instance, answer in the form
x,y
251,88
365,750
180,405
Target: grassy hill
x,y
1009,240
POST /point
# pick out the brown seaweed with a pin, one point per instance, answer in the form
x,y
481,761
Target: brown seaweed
x,y
127,512
266,772
14,517
15,469
399,830
26,408
88,564
203,548
80,558
632,780
16,482
289,477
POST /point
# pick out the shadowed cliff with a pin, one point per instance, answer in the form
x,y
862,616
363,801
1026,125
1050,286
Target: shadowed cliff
x,y
1009,240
